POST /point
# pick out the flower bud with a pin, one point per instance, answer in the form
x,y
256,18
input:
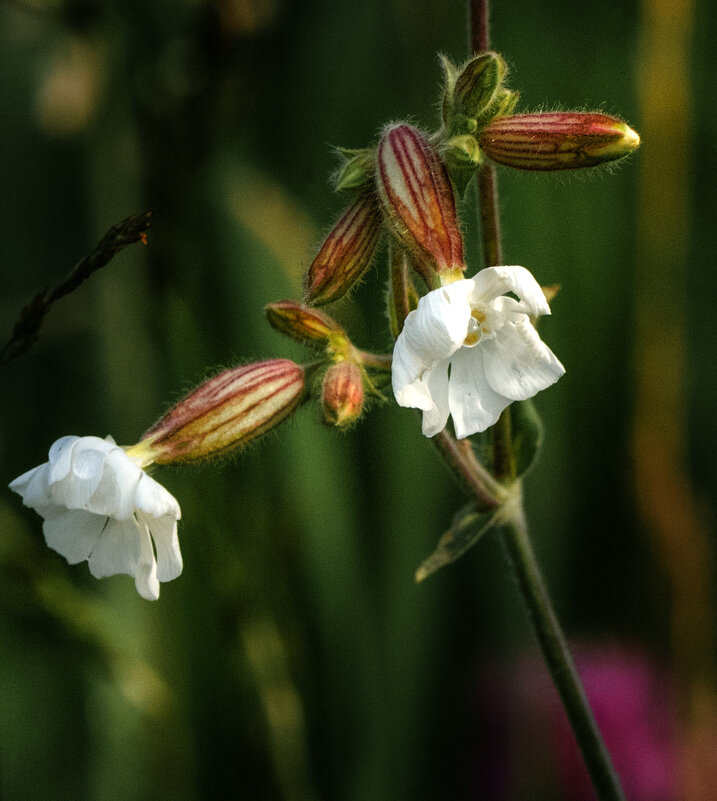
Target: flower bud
x,y
342,394
302,323
417,199
346,253
226,412
557,141
477,85
356,171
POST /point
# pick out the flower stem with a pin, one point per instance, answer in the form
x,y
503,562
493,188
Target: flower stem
x,y
557,658
515,531
472,475
489,216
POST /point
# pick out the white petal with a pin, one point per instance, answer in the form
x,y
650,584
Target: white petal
x,y
492,282
118,549
34,486
72,533
474,405
436,416
518,364
60,457
166,543
115,494
145,578
76,470
154,500
431,333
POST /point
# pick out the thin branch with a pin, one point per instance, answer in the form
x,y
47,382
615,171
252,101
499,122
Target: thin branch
x,y
29,324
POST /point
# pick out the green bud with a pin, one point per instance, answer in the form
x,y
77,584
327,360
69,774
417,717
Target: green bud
x,y
478,83
462,156
357,170
462,151
505,102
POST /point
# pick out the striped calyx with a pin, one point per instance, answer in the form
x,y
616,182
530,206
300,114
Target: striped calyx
x,y
417,199
346,253
342,393
226,412
302,323
560,140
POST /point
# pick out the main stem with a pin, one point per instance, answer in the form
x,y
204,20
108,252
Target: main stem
x,y
557,657
521,556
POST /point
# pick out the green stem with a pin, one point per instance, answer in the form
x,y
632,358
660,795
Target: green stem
x,y
557,657
522,558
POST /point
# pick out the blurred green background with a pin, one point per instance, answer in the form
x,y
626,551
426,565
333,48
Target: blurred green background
x,y
295,659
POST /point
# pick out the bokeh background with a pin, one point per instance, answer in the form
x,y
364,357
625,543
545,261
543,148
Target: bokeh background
x,y
295,659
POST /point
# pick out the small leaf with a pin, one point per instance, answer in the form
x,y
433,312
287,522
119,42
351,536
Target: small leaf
x,y
468,527
527,430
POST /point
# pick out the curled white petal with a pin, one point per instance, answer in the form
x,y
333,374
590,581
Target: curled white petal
x,y
431,333
469,350
492,282
435,416
100,506
518,364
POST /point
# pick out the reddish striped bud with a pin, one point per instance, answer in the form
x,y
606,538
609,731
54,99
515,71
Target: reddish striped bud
x,y
342,394
346,253
302,323
226,412
417,199
557,141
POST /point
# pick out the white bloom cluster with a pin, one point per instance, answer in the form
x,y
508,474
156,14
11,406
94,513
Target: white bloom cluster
x,y
469,350
99,505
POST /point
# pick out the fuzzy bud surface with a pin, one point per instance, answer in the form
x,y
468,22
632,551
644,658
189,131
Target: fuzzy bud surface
x,y
557,141
418,201
226,412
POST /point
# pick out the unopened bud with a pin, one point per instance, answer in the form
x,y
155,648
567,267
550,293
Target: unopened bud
x,y
346,253
302,323
557,141
226,412
357,170
477,85
342,394
418,201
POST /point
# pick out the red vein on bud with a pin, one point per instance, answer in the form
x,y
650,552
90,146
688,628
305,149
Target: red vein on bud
x,y
417,196
557,140
346,253
227,411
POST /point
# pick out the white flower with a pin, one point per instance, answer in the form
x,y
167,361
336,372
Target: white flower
x,y
469,350
100,505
